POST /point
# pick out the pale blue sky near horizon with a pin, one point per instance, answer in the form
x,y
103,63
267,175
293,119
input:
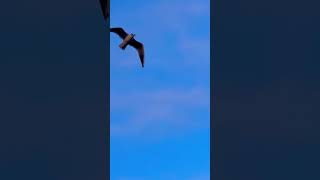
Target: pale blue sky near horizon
x,y
160,115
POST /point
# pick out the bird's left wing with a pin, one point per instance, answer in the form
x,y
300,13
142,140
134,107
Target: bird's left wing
x,y
140,49
105,6
119,31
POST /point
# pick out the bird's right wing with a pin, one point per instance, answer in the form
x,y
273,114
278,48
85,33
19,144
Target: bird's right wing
x,y
119,31
139,47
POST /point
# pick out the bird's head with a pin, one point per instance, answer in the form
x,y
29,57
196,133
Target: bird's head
x,y
133,35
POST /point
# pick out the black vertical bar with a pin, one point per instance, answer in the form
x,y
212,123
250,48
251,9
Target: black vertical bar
x,y
265,92
54,91
108,93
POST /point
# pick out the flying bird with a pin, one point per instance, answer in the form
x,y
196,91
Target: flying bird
x,y
128,39
105,6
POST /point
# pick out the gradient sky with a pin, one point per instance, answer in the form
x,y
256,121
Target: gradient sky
x,y
160,114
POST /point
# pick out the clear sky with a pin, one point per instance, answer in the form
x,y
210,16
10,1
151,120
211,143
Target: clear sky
x,y
160,114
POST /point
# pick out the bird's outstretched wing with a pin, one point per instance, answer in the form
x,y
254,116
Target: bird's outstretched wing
x,y
105,4
140,49
119,31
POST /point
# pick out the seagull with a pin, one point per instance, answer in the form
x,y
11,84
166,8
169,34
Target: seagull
x,y
105,6
128,39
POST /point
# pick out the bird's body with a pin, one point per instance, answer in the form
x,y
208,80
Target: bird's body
x,y
128,39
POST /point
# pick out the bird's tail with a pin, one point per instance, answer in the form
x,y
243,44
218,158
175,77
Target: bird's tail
x,y
123,45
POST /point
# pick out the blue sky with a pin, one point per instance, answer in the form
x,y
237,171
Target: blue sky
x,y
160,114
